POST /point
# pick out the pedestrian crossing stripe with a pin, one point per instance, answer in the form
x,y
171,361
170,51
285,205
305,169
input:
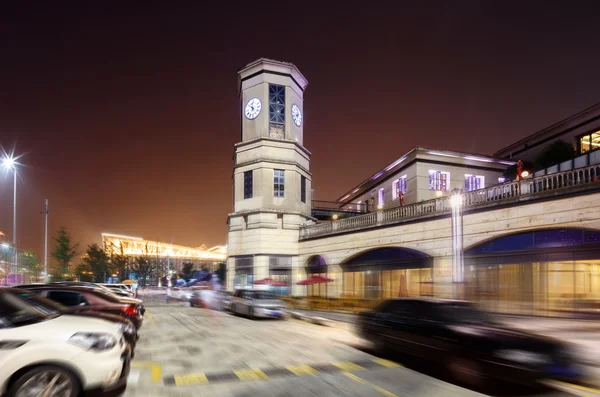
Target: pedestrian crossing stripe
x,y
201,378
250,374
195,379
301,370
348,366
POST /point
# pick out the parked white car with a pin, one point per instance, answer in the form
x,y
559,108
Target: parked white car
x,y
48,354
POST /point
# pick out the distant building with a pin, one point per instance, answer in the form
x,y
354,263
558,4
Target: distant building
x,y
177,255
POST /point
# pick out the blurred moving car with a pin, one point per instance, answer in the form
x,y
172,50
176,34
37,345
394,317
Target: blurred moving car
x,y
47,305
85,299
124,289
254,303
45,353
225,299
182,294
464,339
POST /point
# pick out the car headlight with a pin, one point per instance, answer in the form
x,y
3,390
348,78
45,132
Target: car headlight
x,y
93,341
522,356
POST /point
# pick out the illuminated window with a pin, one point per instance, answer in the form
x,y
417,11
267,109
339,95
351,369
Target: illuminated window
x,y
278,183
501,180
474,182
276,111
359,205
398,187
380,197
303,188
439,180
589,142
247,184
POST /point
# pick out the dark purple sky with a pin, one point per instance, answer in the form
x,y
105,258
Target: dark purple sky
x,y
127,115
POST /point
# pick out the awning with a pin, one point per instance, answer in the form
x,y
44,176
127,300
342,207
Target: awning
x,y
315,280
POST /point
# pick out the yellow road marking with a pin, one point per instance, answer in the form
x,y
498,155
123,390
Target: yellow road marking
x,y
375,387
194,379
301,370
251,374
348,366
584,388
156,374
386,363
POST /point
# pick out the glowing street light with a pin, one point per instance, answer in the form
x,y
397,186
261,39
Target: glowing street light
x,y
5,246
524,174
10,164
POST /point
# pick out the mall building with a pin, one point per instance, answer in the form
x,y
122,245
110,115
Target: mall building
x,y
432,222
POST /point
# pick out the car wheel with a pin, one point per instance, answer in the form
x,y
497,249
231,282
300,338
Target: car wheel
x,y
251,312
465,370
45,380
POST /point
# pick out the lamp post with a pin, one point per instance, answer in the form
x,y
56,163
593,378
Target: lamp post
x,y
10,163
456,202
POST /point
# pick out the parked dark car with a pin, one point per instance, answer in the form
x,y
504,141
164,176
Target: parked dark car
x,y
89,285
466,341
47,305
83,298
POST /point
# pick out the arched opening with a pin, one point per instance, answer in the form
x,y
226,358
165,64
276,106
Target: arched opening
x,y
387,272
317,266
544,272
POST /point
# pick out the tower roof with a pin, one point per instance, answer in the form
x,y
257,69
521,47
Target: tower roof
x,y
273,66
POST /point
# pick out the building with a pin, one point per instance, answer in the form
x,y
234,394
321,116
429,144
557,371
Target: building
x,y
176,255
431,223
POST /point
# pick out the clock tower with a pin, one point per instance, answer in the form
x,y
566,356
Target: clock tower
x,y
271,177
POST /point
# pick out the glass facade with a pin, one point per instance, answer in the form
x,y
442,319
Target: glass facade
x,y
589,142
539,288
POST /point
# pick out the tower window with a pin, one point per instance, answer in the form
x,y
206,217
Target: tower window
x,y
278,183
276,111
303,188
247,184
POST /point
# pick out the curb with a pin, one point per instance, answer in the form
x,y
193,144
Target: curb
x,y
312,320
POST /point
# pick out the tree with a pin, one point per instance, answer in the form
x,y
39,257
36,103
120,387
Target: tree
x,y
98,262
554,153
29,263
142,265
83,272
63,253
187,270
119,262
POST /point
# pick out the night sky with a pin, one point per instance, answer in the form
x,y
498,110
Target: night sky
x,y
127,114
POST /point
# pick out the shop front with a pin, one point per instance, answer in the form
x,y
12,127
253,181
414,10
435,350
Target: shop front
x,y
544,272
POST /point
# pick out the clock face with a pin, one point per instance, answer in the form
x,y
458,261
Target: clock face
x,y
253,108
296,115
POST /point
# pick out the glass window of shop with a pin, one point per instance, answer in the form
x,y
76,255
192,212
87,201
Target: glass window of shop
x,y
386,284
589,142
541,288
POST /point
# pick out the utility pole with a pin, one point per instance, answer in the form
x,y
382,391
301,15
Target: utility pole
x,y
46,213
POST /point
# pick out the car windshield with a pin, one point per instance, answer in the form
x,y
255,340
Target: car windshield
x,y
15,311
463,313
263,295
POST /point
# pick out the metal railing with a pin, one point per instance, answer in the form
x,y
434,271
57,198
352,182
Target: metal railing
x,y
553,184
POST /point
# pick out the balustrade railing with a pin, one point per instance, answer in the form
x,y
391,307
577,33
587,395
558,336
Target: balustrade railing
x,y
559,183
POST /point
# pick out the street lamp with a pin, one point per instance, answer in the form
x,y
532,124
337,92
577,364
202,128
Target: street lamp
x,y
456,202
10,163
